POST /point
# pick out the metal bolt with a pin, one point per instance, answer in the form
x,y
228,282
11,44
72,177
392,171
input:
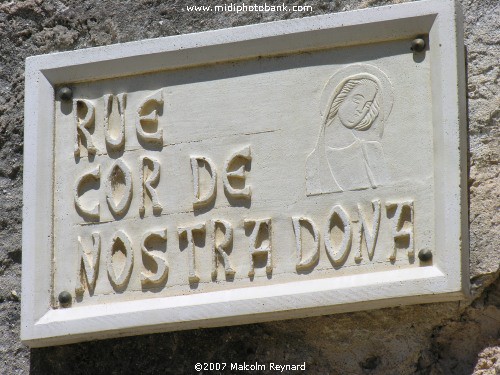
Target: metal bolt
x,y
65,298
65,93
417,45
425,255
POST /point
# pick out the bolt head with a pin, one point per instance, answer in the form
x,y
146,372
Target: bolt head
x,y
425,255
65,298
417,45
65,93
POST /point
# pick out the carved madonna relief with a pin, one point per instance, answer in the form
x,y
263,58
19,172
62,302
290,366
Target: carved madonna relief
x,y
355,105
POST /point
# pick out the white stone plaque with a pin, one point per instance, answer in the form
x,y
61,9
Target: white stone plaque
x,y
265,172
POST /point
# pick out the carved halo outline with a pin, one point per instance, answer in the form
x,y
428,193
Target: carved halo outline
x,y
357,71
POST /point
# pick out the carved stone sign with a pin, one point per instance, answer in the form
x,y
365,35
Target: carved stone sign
x,y
273,171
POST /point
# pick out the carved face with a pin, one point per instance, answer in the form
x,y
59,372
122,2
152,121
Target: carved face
x,y
357,104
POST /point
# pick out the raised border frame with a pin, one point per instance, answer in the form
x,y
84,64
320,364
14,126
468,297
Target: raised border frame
x,y
448,277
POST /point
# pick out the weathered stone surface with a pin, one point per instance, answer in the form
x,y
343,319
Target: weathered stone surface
x,y
483,51
432,339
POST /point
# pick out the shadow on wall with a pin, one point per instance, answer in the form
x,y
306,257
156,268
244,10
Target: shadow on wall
x,y
423,339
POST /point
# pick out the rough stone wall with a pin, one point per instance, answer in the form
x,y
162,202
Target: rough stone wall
x,y
446,338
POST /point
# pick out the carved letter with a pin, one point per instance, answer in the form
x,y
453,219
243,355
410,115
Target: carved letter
x,y
338,257
370,234
313,258
82,125
155,99
155,256
228,239
264,248
118,142
120,239
119,171
245,192
403,234
188,232
88,266
147,182
93,212
210,194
